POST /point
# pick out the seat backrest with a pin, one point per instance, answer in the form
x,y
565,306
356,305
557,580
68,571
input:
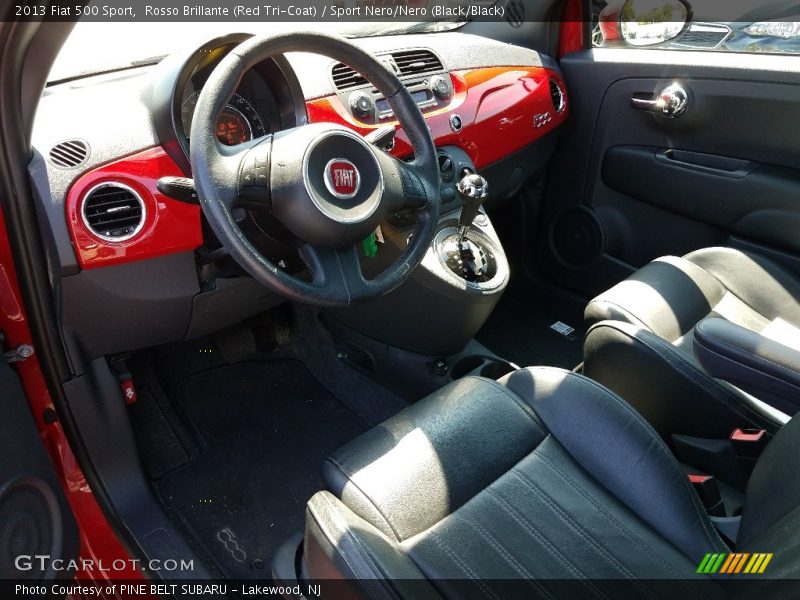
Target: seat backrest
x,y
771,517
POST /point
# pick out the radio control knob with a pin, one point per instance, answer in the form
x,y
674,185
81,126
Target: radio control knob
x,y
438,85
362,105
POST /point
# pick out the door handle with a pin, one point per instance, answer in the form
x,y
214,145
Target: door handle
x,y
670,103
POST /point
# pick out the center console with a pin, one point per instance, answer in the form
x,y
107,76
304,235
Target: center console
x,y
427,325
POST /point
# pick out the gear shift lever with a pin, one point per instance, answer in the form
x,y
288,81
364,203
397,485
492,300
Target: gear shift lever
x,y
473,189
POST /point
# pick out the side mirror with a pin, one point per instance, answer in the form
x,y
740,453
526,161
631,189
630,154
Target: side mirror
x,y
652,22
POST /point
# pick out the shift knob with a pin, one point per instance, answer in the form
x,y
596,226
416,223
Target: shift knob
x,y
473,189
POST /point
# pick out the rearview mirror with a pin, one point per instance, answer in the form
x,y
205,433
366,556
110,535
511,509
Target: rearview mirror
x,y
652,22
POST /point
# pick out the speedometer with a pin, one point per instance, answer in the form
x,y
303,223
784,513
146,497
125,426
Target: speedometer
x,y
238,122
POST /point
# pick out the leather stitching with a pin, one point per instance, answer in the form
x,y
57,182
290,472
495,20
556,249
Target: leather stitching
x,y
470,573
578,529
503,390
523,522
343,276
606,514
506,554
711,533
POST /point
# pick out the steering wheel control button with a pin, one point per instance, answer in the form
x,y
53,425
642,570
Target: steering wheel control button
x,y
456,124
262,177
342,178
261,154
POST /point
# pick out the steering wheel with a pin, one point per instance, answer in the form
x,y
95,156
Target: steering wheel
x,y
323,182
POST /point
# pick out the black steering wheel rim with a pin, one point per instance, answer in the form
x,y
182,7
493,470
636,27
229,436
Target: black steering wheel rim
x,y
334,282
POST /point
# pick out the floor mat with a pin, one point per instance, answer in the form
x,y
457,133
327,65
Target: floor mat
x,y
265,428
519,331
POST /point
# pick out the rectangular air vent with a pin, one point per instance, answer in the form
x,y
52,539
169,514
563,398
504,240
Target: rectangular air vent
x,y
407,62
414,62
344,77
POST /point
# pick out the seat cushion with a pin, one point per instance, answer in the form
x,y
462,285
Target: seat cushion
x,y
422,464
470,485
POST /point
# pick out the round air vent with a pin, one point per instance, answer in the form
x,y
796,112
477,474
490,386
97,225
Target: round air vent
x,y
557,96
113,211
446,166
69,154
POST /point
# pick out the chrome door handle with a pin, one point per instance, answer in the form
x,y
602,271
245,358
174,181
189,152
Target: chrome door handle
x,y
670,103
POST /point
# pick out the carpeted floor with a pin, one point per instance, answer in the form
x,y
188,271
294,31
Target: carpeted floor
x,y
264,429
519,331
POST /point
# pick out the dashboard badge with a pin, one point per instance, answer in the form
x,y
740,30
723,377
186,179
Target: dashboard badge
x,y
342,178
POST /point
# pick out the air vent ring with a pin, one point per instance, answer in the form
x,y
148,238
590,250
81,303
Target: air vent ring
x,y
113,211
557,96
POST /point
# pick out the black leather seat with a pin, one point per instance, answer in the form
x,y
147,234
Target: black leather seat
x,y
641,334
545,481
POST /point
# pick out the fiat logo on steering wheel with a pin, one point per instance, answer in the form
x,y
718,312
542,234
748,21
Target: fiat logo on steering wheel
x,y
342,178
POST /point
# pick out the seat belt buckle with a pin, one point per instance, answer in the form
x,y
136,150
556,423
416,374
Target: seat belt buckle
x,y
749,443
707,488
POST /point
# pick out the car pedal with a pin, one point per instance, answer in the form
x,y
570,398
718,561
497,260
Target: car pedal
x,y
283,330
235,344
272,331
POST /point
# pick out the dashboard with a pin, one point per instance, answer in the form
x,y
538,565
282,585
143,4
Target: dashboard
x,y
489,105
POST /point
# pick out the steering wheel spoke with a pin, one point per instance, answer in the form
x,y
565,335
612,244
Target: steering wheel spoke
x,y
251,162
404,187
336,268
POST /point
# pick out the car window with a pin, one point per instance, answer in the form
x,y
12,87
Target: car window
x,y
703,25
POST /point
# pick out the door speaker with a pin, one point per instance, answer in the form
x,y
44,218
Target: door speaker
x,y
576,237
29,526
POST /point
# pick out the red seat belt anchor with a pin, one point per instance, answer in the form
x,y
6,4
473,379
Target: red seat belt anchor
x,y
128,391
749,443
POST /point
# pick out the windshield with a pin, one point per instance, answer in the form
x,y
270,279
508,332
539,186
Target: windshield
x,y
97,47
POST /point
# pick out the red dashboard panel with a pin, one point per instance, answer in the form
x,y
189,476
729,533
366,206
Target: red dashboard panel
x,y
496,105
170,226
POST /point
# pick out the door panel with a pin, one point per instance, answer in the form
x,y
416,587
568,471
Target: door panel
x,y
727,172
35,519
755,200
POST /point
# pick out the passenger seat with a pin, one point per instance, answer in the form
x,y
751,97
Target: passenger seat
x,y
640,339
